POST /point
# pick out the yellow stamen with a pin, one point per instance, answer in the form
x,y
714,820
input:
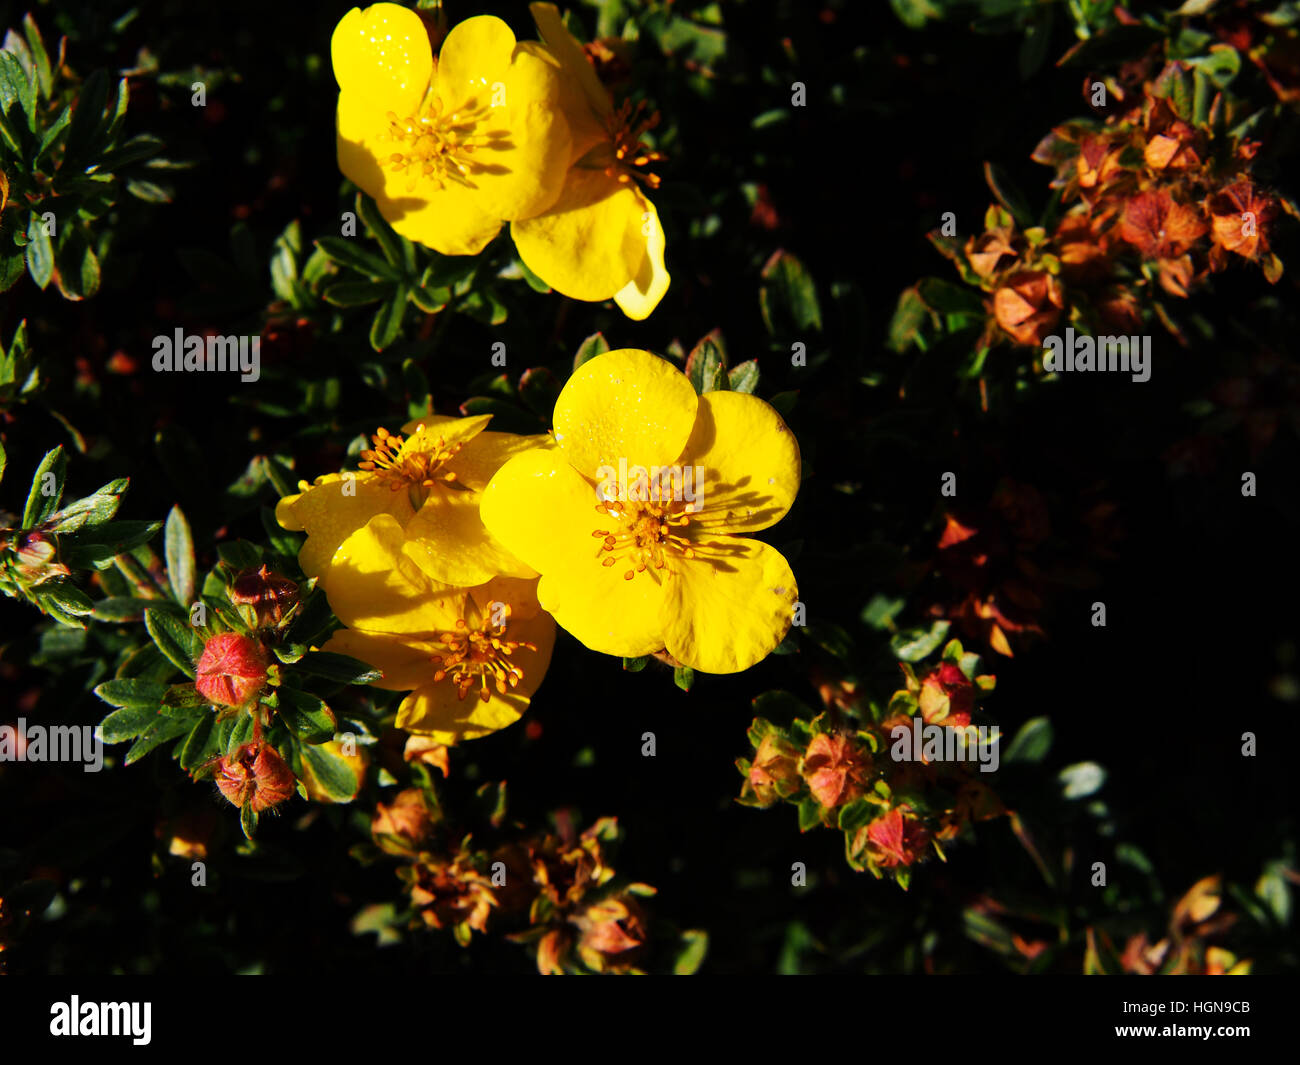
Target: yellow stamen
x,y
438,148
626,127
648,535
479,656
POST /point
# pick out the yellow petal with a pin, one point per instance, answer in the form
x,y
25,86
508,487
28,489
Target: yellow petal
x,y
405,663
728,607
451,220
374,584
383,54
568,51
544,512
436,710
448,541
519,594
523,151
589,245
489,451
532,485
448,220
586,129
625,404
650,280
749,461
333,509
424,435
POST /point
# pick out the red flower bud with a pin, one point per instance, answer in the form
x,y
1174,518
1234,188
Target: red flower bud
x,y
269,594
255,775
231,670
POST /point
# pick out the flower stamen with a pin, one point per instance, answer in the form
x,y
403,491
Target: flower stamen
x,y
626,126
480,656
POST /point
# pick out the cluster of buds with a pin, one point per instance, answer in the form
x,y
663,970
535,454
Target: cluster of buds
x,y
1161,194
555,892
1185,949
994,572
872,779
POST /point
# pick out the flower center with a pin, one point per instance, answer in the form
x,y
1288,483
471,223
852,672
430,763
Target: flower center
x,y
479,656
438,147
626,127
647,535
401,466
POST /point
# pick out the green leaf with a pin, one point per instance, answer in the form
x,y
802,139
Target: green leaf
x,y
913,645
183,697
164,729
389,242
684,677
93,509
347,253
175,639
787,297
706,366
694,947
201,743
336,667
126,724
1081,779
358,293
856,814
1031,743
635,665
332,774
744,378
40,252
131,692
46,491
387,324
178,545
87,120
307,716
594,345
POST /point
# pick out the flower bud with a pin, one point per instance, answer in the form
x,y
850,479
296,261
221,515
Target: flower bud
x,y
404,824
836,770
774,772
231,670
269,594
255,775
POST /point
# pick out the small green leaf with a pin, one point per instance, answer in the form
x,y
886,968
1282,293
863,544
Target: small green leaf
x,y
336,667
744,378
915,644
126,724
179,548
594,345
1031,742
684,677
46,491
175,639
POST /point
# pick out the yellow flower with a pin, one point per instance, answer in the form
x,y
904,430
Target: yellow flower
x,y
447,148
430,481
602,237
471,658
626,567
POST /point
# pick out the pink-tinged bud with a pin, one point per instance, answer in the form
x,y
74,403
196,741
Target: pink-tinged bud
x,y
269,594
835,769
896,838
404,823
231,670
947,697
257,776
774,772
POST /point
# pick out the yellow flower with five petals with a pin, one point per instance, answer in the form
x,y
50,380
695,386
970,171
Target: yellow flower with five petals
x,y
632,562
430,482
449,147
602,238
470,658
